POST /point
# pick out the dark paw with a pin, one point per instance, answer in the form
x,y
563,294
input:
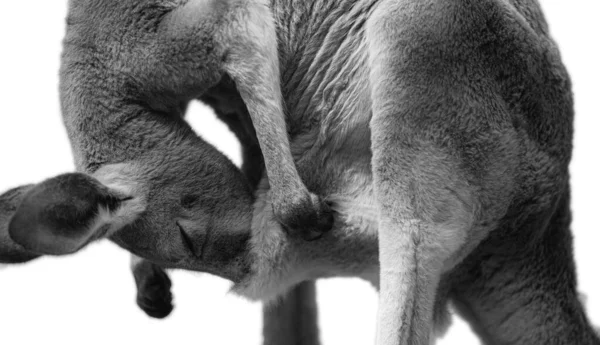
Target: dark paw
x,y
55,216
308,217
153,290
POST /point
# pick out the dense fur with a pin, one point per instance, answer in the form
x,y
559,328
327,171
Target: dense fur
x,y
10,252
439,132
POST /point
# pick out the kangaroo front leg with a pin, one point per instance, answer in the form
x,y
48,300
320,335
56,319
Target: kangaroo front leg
x,y
247,37
293,319
254,66
153,288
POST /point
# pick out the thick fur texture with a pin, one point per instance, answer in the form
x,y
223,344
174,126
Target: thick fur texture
x,y
11,252
440,133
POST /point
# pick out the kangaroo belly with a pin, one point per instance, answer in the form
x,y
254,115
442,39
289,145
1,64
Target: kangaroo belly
x,y
278,261
328,104
334,160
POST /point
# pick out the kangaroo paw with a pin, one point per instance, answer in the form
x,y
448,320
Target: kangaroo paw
x,y
310,217
153,290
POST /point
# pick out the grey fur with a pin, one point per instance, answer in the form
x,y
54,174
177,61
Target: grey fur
x,y
11,252
293,319
440,132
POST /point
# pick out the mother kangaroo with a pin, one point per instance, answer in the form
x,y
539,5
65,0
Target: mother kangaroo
x,y
438,131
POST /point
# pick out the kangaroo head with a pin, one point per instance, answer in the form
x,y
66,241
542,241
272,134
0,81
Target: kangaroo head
x,y
150,184
191,213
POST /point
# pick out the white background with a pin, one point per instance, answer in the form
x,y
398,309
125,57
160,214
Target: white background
x,y
88,298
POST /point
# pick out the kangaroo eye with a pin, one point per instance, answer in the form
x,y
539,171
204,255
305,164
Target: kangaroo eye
x,y
188,201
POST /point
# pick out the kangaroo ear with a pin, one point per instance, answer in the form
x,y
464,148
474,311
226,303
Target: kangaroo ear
x,y
10,252
63,214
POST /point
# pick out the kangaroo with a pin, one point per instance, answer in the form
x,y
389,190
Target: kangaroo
x,y
440,133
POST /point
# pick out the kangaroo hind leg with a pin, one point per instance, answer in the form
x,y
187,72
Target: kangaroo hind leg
x,y
525,293
434,127
423,227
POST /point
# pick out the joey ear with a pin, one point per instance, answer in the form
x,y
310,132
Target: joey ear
x,y
63,214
